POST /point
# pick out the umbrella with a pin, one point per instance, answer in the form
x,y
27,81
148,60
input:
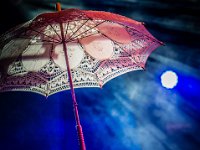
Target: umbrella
x,y
71,49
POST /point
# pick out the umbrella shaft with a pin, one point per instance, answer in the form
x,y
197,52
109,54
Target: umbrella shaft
x,y
78,125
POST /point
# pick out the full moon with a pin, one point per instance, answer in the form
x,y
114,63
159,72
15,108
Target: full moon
x,y
169,79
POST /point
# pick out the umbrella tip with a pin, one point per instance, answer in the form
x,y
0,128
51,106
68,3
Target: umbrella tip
x,y
58,6
101,84
46,95
162,43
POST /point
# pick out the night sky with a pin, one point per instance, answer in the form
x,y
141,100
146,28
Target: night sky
x,y
131,112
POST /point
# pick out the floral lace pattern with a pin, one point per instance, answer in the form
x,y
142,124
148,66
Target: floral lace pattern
x,y
44,34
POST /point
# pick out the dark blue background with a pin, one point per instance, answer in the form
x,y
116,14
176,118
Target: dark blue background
x,y
131,112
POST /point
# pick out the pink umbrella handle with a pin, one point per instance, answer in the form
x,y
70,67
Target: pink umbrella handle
x,y
81,137
75,105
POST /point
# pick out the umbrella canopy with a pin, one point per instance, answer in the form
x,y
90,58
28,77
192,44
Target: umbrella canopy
x,y
72,48
100,45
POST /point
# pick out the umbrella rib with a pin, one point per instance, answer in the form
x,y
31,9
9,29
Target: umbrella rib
x,y
37,39
66,29
78,29
33,36
123,49
55,31
44,35
131,42
114,42
129,55
80,38
49,41
153,39
87,30
25,32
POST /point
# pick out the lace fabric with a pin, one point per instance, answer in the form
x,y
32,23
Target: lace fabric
x,y
32,57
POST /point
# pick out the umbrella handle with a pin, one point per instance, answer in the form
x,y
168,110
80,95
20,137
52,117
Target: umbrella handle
x,y
78,124
80,137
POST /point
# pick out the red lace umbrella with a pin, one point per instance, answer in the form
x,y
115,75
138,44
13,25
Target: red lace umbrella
x,y
70,49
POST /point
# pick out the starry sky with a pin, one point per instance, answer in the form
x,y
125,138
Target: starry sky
x,y
132,111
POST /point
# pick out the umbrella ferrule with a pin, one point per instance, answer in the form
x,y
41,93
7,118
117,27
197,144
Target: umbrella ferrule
x,y
58,7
